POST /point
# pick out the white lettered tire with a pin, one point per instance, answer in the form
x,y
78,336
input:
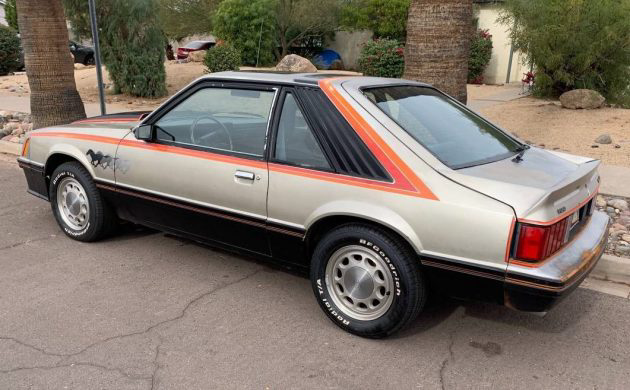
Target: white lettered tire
x,y
367,281
77,204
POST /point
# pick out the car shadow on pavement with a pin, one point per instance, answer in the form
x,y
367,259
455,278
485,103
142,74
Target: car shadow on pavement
x,y
441,308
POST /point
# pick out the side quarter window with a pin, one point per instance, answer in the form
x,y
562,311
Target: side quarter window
x,y
222,119
295,142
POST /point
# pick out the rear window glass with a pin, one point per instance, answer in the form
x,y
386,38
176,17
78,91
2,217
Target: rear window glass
x,y
194,45
456,136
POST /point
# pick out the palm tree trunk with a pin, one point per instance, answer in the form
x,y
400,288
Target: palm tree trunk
x,y
438,41
49,64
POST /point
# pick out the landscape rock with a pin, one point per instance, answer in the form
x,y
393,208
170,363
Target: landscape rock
x,y
626,237
582,98
197,56
600,201
617,203
6,137
604,139
295,63
619,227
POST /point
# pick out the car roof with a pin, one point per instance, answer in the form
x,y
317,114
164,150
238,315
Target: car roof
x,y
278,77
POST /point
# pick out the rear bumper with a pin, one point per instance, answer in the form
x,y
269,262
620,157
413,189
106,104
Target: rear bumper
x,y
540,288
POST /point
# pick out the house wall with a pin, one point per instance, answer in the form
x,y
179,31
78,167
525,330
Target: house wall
x,y
348,44
496,72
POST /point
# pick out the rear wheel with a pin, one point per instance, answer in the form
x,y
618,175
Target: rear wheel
x,y
89,60
77,204
367,281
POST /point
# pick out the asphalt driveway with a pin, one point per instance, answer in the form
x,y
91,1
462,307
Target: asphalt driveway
x,y
146,310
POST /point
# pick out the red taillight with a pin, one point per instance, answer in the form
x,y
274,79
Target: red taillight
x,y
536,243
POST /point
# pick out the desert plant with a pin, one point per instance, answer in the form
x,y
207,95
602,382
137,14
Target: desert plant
x,y
9,50
382,58
132,43
248,25
480,54
221,58
44,35
574,44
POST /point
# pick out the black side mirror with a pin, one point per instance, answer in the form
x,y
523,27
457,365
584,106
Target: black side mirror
x,y
143,132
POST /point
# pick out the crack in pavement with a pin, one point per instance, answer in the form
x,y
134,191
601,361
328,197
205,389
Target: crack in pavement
x,y
64,358
78,364
26,242
156,365
451,354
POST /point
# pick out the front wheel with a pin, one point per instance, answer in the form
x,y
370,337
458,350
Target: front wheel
x,y
367,281
77,204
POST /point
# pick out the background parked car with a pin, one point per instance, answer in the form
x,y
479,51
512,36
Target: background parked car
x,y
82,54
182,52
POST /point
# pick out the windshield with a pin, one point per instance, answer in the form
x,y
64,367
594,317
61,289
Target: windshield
x,y
456,136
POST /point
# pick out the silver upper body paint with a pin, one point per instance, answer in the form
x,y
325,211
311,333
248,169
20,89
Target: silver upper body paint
x,y
469,220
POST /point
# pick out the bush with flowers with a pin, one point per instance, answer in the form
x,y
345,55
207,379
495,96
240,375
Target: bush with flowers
x,y
382,58
480,53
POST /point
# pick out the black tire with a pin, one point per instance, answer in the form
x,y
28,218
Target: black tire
x,y
101,219
404,267
89,60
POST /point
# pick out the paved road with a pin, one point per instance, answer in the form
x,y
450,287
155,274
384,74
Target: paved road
x,y
144,310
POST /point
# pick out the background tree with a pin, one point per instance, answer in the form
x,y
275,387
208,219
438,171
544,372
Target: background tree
x,y
574,44
247,25
10,15
438,41
9,50
132,43
49,65
295,20
182,18
386,18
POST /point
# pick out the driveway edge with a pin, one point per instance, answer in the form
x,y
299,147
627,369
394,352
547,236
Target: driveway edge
x,y
10,148
613,268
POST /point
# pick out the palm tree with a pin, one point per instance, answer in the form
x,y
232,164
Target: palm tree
x,y
438,41
49,64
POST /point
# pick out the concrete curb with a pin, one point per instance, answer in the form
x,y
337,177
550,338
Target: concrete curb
x,y
613,268
10,148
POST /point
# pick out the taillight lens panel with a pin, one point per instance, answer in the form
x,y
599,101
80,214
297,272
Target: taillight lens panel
x,y
536,243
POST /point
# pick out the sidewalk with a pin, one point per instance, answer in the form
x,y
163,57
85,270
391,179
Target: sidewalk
x,y
507,93
23,104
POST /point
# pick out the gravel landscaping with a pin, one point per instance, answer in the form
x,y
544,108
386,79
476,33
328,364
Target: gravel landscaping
x,y
617,208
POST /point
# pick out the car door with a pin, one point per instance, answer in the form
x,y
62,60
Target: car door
x,y
203,173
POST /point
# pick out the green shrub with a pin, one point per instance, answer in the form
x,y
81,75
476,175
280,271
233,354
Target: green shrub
x,y
132,43
222,58
9,50
574,44
480,54
248,25
382,58
386,18
10,15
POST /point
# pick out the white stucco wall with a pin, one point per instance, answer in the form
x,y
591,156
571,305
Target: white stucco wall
x,y
496,72
348,45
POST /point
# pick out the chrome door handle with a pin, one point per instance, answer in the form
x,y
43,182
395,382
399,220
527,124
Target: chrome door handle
x,y
244,175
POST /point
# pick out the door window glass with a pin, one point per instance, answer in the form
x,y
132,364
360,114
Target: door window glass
x,y
226,119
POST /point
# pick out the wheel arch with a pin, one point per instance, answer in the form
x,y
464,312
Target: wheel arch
x,y
401,230
56,158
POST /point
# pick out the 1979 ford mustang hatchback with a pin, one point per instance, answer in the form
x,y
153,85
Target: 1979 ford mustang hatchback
x,y
382,189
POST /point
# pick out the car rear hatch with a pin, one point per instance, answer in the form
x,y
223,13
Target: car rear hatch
x,y
543,186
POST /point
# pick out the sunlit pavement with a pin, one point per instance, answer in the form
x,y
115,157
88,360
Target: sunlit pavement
x,y
145,310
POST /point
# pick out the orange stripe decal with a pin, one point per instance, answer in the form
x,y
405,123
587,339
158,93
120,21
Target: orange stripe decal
x,y
404,177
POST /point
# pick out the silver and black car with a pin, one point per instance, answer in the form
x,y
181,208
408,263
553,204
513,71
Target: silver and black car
x,y
381,189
